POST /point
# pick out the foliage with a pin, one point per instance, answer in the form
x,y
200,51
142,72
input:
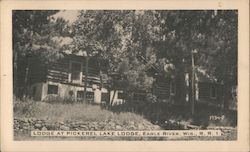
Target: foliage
x,y
70,112
58,100
212,33
108,35
165,39
33,33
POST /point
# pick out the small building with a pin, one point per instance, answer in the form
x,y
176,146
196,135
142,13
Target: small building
x,y
164,87
207,88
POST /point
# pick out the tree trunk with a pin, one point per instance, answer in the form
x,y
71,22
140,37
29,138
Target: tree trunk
x,y
100,73
132,101
109,92
26,79
192,88
113,97
180,88
227,87
15,86
227,91
86,78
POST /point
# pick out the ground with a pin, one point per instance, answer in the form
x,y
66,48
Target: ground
x,y
31,115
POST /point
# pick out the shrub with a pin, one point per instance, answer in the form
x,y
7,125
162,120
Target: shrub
x,y
70,112
54,99
151,98
24,108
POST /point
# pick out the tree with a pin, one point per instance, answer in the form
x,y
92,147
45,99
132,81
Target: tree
x,y
162,38
222,58
212,33
175,34
111,35
94,34
33,35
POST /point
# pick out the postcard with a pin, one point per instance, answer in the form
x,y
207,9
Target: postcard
x,y
124,75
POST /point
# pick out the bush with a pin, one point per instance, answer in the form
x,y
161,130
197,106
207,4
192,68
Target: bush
x,y
151,98
70,112
54,99
24,108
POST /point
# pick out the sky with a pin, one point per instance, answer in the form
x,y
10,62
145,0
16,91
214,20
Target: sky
x,y
69,15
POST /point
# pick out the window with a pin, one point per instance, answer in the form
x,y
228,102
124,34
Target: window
x,y
213,91
89,95
172,88
80,94
139,96
52,89
105,97
75,72
34,91
120,95
71,93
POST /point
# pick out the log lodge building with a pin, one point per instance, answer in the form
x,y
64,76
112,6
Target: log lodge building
x,y
65,79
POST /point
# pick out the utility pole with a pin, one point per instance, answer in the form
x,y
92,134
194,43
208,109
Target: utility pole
x,y
86,78
193,83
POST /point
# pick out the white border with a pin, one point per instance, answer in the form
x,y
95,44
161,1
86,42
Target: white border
x,y
7,143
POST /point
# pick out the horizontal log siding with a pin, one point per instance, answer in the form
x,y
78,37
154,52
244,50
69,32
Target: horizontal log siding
x,y
91,79
58,72
162,88
204,91
93,71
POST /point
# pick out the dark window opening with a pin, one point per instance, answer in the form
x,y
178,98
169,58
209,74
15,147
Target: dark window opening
x,y
71,93
34,91
139,96
89,96
213,91
80,94
120,95
105,97
173,89
52,89
75,71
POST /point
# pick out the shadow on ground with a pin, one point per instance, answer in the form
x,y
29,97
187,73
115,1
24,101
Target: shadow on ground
x,y
171,117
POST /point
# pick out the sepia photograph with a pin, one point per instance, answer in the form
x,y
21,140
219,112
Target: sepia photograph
x,y
124,75
132,73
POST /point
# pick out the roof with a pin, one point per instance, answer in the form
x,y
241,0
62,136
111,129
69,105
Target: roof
x,y
204,76
142,59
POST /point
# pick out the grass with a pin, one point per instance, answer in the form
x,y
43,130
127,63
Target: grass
x,y
83,112
164,111
70,112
